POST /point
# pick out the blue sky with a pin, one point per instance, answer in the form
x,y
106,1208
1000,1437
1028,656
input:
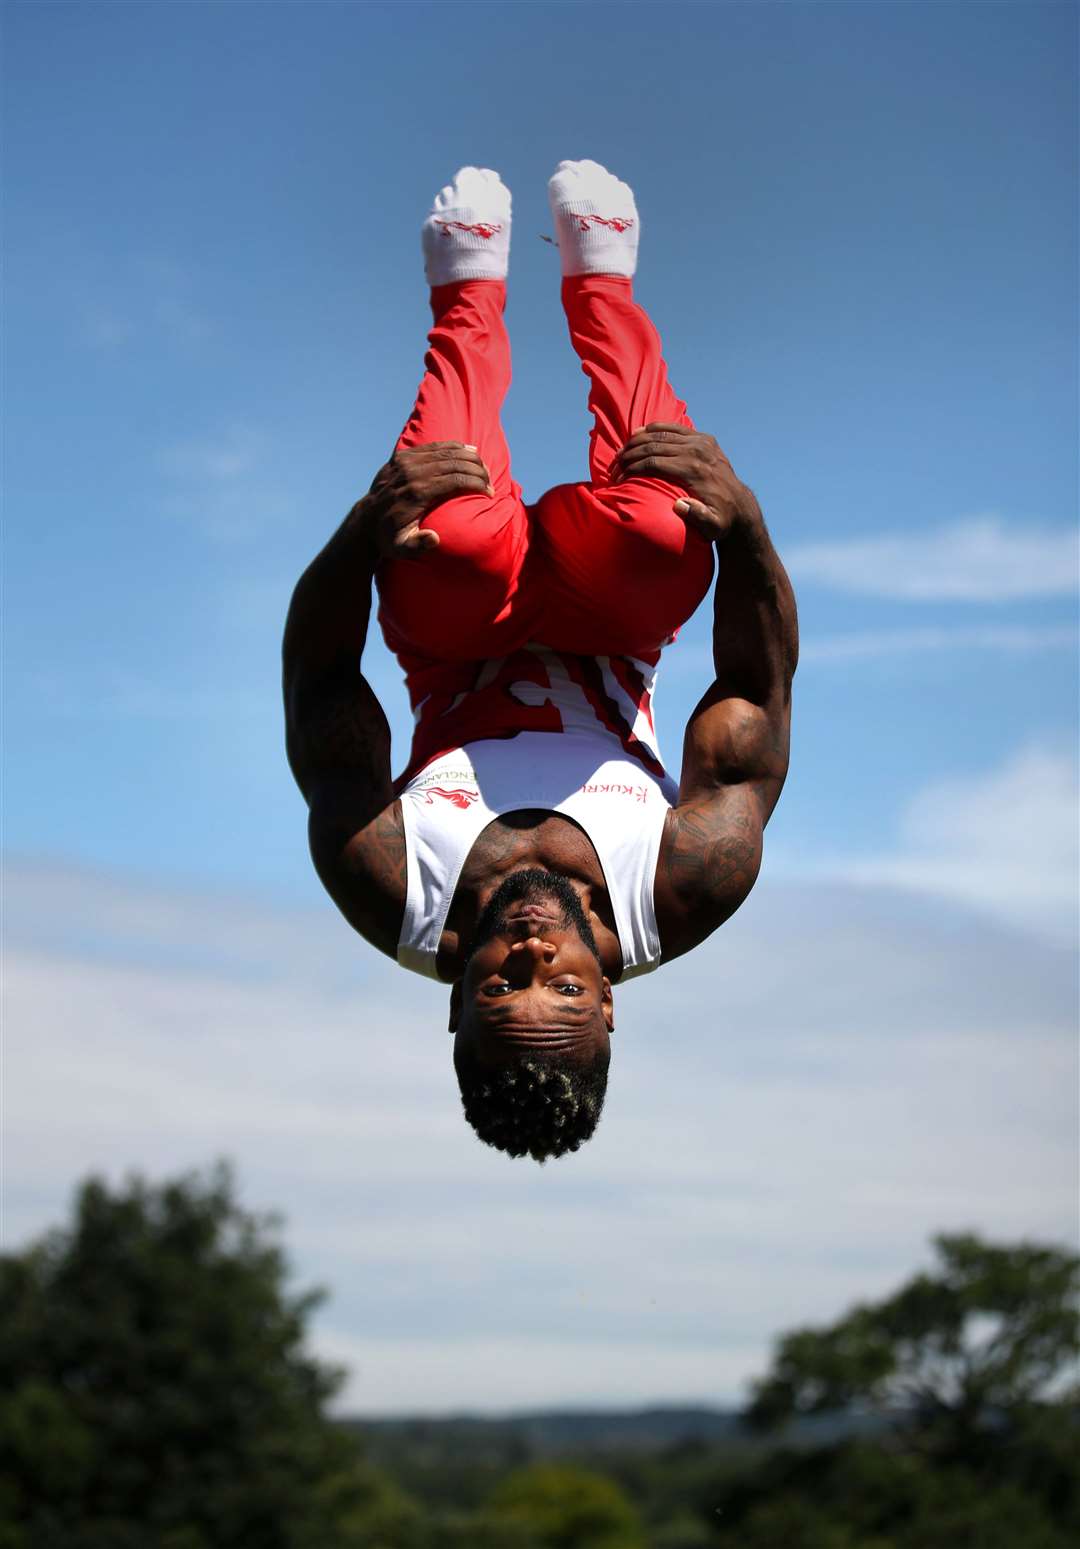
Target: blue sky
x,y
860,245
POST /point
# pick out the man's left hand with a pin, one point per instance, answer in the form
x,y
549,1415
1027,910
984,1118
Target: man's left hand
x,y
717,499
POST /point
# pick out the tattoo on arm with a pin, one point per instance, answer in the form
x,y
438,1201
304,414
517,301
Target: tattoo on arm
x,y
712,856
380,850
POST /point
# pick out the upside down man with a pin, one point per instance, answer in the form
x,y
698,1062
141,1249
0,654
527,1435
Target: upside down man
x,y
535,852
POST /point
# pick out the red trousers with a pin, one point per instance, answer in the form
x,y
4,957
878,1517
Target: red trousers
x,y
596,569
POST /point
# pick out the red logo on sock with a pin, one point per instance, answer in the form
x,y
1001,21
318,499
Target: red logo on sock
x,y
616,222
485,229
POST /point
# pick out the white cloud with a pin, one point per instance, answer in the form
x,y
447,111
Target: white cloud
x,y
685,660
148,302
793,1110
107,328
1004,842
218,459
984,559
1013,639
118,694
221,486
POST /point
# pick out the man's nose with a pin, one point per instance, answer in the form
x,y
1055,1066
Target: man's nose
x,y
535,949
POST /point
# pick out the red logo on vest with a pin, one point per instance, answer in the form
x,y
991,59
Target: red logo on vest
x,y
457,794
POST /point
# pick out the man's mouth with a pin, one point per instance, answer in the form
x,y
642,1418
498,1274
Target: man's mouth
x,y
532,914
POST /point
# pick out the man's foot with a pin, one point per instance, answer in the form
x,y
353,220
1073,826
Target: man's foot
x,y
596,219
467,234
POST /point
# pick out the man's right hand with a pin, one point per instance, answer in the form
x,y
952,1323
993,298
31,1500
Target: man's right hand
x,y
412,483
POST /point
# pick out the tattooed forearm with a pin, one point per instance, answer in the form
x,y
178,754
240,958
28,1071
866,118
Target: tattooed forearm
x,y
711,855
367,874
383,854
709,861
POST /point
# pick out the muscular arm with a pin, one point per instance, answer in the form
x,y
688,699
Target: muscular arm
x,y
735,750
336,733
337,737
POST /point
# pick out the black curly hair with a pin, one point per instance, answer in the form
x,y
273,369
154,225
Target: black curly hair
x,y
539,1107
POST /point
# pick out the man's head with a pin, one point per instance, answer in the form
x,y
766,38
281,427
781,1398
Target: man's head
x,y
532,1015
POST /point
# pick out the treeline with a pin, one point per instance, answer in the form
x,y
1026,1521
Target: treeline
x,y
156,1393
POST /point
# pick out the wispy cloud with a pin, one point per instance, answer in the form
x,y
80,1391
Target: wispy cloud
x,y
1012,639
218,459
984,559
107,328
219,484
799,1104
1006,842
158,307
111,693
683,660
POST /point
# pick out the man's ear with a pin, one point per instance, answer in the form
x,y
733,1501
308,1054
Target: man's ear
x,y
607,1005
455,1005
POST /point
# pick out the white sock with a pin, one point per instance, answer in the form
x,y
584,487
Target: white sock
x,y
596,220
467,234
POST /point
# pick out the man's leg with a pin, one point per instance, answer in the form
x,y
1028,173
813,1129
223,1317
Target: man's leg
x,y
624,570
455,602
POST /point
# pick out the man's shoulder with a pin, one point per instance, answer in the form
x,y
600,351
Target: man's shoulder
x,y
710,855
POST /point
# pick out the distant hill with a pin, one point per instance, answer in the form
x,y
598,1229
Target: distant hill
x,y
554,1433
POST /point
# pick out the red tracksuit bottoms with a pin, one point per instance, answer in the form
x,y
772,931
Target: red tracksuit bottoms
x,y
596,569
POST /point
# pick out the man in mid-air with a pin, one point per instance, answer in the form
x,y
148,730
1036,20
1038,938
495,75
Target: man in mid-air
x,y
534,851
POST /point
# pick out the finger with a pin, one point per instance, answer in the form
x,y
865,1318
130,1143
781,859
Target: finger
x,y
433,490
457,482
672,467
457,467
436,446
461,461
660,431
696,515
635,454
438,457
680,456
451,450
415,544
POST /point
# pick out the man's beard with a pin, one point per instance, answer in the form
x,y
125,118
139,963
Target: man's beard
x,y
533,886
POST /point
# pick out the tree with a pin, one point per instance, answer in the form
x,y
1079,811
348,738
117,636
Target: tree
x,y
155,1385
857,1495
983,1342
972,1364
566,1508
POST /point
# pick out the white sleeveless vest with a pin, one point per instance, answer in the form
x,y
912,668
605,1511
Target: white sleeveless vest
x,y
586,772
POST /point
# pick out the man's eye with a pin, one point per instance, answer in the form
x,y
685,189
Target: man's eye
x,y
501,988
570,989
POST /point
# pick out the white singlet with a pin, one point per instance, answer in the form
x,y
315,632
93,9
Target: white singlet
x,y
602,770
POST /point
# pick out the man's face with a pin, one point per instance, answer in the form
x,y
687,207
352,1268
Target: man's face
x,y
533,983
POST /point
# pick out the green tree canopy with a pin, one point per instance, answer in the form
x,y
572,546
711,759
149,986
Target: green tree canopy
x,y
974,1362
155,1387
854,1495
567,1508
989,1334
